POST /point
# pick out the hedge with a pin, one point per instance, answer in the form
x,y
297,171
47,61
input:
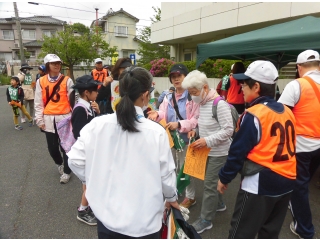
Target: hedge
x,y
213,68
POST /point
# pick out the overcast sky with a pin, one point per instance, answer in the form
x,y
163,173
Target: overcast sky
x,y
65,10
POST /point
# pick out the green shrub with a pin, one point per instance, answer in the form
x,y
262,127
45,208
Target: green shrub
x,y
147,66
4,80
213,68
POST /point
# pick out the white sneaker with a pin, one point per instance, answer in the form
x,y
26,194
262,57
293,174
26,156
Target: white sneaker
x,y
64,178
60,169
23,120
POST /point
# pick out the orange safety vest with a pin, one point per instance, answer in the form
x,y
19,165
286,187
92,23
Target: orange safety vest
x,y
277,146
59,103
235,94
99,75
306,111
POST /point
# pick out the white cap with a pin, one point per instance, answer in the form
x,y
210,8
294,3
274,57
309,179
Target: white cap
x,y
261,71
303,57
97,60
51,58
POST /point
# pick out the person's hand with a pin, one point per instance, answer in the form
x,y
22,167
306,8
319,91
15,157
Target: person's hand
x,y
172,125
95,107
200,143
43,127
191,134
221,187
172,204
153,115
107,80
10,103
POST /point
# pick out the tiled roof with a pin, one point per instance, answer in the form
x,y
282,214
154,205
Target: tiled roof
x,y
35,43
109,14
35,19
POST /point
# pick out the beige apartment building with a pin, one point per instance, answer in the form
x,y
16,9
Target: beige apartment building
x,y
183,25
120,30
33,29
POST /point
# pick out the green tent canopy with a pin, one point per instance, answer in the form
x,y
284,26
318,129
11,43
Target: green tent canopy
x,y
280,43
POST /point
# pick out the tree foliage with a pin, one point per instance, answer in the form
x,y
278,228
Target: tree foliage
x,y
74,47
146,49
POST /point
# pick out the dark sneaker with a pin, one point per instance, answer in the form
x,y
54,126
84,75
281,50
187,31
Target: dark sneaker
x,y
200,225
87,216
18,127
31,123
293,230
221,207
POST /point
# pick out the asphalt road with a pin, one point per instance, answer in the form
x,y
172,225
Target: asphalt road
x,y
35,205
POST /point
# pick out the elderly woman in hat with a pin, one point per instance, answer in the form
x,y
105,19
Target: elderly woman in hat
x,y
27,82
51,106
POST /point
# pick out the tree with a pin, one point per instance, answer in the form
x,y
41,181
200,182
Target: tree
x,y
80,28
74,47
146,49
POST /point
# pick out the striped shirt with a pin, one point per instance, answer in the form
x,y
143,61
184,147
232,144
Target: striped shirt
x,y
217,134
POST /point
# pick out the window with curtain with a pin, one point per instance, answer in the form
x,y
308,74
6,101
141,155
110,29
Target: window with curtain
x,y
49,33
29,34
7,35
121,31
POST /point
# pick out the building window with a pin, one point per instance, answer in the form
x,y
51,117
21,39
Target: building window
x,y
8,35
106,27
121,31
32,53
126,53
5,56
29,34
187,56
49,33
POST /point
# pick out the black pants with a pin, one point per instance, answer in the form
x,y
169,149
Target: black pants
x,y
257,214
105,233
53,142
307,165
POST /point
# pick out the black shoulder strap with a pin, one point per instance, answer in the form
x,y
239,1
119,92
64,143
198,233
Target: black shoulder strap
x,y
189,97
55,89
176,106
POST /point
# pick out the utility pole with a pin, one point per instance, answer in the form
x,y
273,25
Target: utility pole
x,y
22,58
97,19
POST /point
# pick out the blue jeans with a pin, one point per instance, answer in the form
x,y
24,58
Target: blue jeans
x,y
307,164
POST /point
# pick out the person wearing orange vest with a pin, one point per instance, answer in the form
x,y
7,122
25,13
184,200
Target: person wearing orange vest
x,y
263,151
235,94
51,106
301,96
99,73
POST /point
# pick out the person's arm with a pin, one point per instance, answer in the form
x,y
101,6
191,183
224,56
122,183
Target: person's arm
x,y
188,124
291,94
38,105
167,169
8,95
78,120
226,125
244,141
20,94
77,157
69,86
104,92
160,98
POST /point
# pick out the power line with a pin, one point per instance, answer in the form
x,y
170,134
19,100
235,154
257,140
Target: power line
x,y
75,18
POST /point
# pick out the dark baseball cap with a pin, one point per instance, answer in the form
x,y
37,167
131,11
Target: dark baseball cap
x,y
126,63
85,81
179,68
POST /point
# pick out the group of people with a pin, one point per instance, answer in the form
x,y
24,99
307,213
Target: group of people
x,y
129,179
